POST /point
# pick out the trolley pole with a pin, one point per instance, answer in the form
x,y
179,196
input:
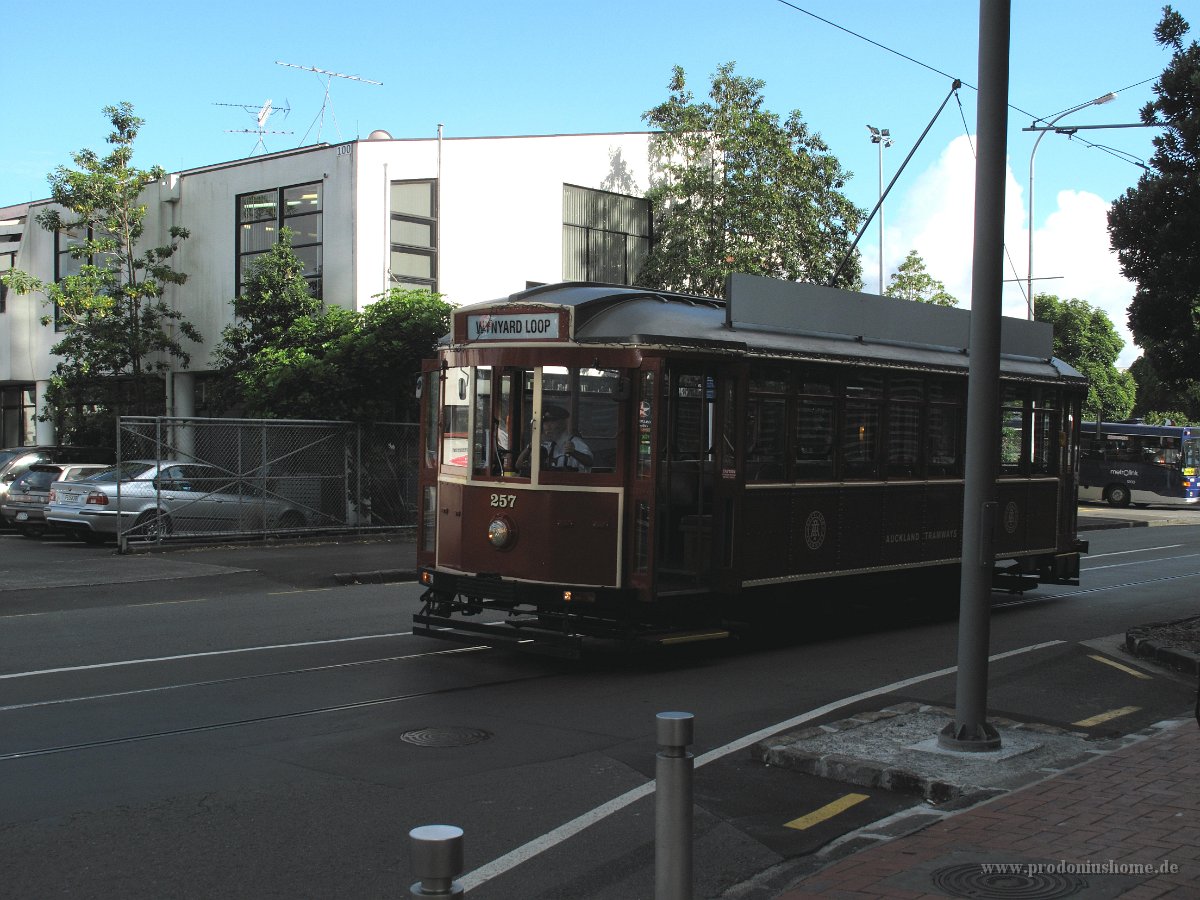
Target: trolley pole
x,y
970,729
673,807
436,853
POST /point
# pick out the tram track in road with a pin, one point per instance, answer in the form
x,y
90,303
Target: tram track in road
x,y
258,719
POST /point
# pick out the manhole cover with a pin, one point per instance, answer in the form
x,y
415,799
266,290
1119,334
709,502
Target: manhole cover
x,y
970,880
445,737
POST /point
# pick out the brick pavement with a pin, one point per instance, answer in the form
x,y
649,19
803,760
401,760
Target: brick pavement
x,y
1090,831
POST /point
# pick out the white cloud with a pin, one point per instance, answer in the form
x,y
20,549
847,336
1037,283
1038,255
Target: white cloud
x,y
935,217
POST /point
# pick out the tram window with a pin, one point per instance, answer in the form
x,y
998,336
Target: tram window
x,y
454,418
766,438
1042,455
814,440
942,448
813,380
590,397
860,440
768,379
689,429
1013,422
903,440
429,396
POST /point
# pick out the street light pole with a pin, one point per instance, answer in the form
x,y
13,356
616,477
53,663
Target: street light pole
x,y
1029,271
883,138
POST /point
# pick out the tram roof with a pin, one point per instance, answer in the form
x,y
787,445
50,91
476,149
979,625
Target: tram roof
x,y
780,318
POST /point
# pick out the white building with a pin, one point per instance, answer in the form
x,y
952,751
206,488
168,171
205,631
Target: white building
x,y
473,218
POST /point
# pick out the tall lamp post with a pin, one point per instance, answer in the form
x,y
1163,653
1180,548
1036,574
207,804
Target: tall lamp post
x,y
1074,109
883,138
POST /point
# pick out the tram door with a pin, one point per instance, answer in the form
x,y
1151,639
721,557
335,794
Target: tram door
x,y
697,476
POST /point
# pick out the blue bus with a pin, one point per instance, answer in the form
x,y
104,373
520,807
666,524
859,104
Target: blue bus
x,y
1131,462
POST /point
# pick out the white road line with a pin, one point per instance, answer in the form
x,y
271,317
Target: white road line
x,y
1140,562
1143,550
527,851
157,659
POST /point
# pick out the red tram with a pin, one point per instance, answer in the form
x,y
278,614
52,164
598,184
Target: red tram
x,y
608,462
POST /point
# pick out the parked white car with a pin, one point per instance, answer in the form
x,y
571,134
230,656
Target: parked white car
x,y
147,499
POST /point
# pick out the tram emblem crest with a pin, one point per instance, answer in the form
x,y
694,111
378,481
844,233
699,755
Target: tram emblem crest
x,y
1012,515
814,530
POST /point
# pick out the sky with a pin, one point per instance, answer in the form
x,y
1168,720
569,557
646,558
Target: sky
x,y
199,75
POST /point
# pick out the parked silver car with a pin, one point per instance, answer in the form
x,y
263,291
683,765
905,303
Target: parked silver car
x,y
148,499
15,461
24,506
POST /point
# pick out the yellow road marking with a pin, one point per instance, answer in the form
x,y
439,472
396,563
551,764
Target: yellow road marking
x,y
1107,716
828,811
1116,665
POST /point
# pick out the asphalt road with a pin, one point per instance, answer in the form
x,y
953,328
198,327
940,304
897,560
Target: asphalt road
x,y
198,727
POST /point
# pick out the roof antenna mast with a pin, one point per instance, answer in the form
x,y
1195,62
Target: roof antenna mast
x,y
261,115
328,76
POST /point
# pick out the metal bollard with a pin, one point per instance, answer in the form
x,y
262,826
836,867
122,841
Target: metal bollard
x,y
673,807
436,852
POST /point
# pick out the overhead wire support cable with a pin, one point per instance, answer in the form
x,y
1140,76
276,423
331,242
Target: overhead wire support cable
x,y
849,252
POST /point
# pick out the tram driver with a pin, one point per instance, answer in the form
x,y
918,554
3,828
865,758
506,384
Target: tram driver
x,y
562,448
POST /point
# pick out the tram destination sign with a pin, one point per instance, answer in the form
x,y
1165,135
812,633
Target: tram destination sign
x,y
511,325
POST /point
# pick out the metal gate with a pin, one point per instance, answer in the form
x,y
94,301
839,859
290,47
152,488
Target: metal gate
x,y
258,477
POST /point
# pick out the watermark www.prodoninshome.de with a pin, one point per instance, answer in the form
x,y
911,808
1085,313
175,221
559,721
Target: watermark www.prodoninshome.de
x,y
1063,867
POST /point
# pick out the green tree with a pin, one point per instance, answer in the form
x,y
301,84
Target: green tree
x,y
118,333
912,282
1156,400
1084,337
734,189
275,295
286,357
1155,225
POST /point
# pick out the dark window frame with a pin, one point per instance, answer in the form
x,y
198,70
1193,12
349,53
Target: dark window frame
x,y
431,251
280,220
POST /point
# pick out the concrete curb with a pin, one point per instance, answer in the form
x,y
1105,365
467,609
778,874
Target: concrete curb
x,y
1137,643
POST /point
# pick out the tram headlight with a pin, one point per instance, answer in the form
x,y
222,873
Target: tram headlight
x,y
501,533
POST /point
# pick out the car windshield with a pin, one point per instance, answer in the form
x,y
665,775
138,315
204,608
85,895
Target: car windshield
x,y
126,471
7,455
39,480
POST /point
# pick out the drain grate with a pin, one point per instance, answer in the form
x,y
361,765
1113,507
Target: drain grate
x,y
970,880
445,737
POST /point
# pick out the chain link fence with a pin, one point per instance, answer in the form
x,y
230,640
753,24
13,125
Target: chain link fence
x,y
259,477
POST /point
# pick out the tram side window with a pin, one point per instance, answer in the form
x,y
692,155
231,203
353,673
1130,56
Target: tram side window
x,y
766,424
1013,421
860,426
943,428
905,394
1042,455
429,398
814,439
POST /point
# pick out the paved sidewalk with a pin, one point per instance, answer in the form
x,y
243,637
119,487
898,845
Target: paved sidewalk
x,y
1126,824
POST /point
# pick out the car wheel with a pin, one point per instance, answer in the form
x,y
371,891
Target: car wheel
x,y
31,531
291,520
1118,495
151,525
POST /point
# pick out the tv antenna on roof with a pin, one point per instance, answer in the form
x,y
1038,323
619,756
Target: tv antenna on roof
x,y
328,76
261,115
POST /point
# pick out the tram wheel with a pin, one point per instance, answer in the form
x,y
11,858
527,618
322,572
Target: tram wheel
x,y
1117,495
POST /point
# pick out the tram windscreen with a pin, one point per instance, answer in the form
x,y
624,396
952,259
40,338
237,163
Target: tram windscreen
x,y
580,418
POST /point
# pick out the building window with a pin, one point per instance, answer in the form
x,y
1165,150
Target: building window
x,y
261,215
67,263
8,261
18,415
606,236
414,235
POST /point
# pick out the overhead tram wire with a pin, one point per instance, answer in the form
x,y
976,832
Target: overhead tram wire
x,y
850,251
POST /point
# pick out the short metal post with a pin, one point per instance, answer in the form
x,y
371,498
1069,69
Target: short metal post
x,y
673,807
436,852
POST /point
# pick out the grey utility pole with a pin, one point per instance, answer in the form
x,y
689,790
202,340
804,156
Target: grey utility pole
x,y
970,729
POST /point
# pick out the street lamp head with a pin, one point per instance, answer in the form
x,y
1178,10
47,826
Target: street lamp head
x,y
1109,96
